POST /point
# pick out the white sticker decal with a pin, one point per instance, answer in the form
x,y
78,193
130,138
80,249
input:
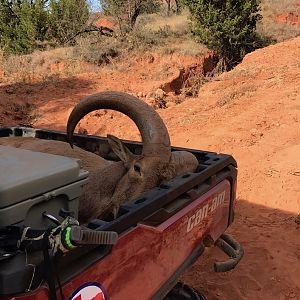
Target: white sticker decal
x,y
89,291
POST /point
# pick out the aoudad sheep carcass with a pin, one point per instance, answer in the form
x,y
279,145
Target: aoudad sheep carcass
x,y
111,183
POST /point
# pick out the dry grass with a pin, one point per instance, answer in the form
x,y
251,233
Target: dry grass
x,y
229,97
177,37
271,9
40,65
275,7
177,23
184,45
279,32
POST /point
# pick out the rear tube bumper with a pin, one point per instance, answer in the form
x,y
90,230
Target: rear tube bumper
x,y
233,249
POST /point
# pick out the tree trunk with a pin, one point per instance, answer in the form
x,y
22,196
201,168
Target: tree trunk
x,y
169,7
178,7
134,16
134,10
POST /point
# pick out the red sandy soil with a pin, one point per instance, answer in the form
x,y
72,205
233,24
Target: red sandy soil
x,y
253,113
288,18
291,16
105,22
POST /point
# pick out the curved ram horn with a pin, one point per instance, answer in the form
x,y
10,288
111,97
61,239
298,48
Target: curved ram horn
x,y
155,136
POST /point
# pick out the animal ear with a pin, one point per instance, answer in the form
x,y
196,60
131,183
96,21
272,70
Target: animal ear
x,y
119,148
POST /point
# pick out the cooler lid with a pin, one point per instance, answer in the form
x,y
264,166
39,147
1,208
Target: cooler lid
x,y
25,174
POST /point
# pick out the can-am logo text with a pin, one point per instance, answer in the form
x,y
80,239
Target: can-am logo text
x,y
202,213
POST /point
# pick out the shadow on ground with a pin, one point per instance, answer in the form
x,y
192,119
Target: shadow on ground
x,y
18,101
271,240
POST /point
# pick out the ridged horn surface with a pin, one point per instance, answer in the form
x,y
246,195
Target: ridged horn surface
x,y
155,136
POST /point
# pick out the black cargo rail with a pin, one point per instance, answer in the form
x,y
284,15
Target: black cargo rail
x,y
100,145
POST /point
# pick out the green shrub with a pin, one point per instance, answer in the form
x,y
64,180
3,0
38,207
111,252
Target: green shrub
x,y
226,26
67,18
26,25
23,25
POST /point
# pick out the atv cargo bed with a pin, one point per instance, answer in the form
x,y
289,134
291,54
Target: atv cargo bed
x,y
161,233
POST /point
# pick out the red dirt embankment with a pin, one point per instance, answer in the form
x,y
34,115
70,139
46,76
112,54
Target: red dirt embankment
x,y
252,112
288,18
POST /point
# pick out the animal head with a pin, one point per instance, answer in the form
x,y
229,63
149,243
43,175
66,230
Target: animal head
x,y
142,172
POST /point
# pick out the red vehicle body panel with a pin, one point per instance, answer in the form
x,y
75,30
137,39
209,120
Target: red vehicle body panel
x,y
145,257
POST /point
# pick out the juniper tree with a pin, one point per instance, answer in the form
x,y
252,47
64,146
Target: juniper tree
x,y
226,26
67,18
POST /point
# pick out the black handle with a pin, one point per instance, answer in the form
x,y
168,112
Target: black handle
x,y
83,236
233,249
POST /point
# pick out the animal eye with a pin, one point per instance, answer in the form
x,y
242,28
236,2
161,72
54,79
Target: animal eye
x,y
137,168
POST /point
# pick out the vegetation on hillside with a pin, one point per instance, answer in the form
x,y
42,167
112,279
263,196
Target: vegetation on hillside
x,y
21,25
26,25
281,19
127,11
228,27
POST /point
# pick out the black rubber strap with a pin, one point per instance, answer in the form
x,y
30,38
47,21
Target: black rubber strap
x,y
11,235
48,268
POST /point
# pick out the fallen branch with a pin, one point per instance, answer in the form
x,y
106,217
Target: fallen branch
x,y
102,30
